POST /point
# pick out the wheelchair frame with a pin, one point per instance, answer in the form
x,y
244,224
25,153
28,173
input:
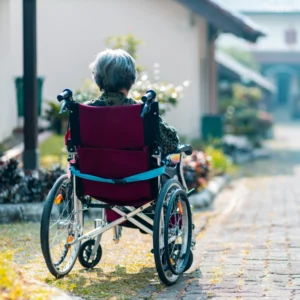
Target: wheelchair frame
x,y
101,225
124,217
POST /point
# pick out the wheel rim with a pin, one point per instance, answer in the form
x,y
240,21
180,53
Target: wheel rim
x,y
88,252
62,229
85,253
176,234
171,277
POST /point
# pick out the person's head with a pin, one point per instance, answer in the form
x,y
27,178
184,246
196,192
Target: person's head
x,y
114,70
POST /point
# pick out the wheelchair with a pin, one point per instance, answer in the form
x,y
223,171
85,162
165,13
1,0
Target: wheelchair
x,y
115,164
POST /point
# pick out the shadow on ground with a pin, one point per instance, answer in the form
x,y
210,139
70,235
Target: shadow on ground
x,y
97,284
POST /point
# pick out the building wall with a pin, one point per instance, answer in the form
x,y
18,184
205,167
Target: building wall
x,y
7,96
275,26
71,32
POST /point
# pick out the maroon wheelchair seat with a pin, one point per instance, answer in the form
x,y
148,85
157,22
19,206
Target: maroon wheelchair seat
x,y
115,142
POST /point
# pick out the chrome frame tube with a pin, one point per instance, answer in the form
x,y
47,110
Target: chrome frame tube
x,y
98,231
181,172
78,216
141,215
133,221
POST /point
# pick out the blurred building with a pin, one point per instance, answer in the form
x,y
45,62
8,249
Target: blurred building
x,y
179,35
230,71
279,53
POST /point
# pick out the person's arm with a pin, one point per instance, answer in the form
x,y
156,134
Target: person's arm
x,y
169,137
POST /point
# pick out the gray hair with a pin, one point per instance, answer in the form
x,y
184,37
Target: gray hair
x,y
113,70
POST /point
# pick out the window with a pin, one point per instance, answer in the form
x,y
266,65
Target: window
x,y
290,36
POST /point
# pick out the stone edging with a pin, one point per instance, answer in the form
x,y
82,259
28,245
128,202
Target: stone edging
x,y
20,212
29,212
205,197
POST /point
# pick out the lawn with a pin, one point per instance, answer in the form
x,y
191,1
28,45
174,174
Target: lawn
x,y
52,151
124,270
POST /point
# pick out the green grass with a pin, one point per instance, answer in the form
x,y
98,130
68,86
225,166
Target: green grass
x,y
51,151
124,270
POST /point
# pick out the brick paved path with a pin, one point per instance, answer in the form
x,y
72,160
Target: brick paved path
x,y
251,250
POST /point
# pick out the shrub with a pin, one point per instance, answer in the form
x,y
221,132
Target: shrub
x,y
18,187
219,161
196,169
57,122
243,115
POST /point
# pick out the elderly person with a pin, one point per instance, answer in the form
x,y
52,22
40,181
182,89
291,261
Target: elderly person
x,y
114,72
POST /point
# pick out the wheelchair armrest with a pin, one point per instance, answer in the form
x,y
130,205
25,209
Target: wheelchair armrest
x,y
187,149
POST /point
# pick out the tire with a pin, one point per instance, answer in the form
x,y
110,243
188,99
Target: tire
x,y
85,252
164,273
178,228
190,261
64,208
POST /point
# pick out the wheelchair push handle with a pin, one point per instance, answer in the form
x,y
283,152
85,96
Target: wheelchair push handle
x,y
147,100
149,96
65,95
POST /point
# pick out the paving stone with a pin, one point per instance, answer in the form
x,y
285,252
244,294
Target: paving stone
x,y
279,293
253,250
279,278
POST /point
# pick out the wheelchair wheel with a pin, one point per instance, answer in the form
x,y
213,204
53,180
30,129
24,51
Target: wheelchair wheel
x,y
60,224
159,250
190,261
178,232
84,255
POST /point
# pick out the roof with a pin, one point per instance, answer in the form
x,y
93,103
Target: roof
x,y
236,71
278,57
225,19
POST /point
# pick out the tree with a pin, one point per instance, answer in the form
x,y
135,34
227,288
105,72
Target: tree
x,y
244,57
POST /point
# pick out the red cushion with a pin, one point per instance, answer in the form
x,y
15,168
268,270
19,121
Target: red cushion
x,y
67,136
115,127
115,164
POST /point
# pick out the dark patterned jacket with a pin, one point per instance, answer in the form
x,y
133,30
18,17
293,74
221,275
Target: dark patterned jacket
x,y
168,134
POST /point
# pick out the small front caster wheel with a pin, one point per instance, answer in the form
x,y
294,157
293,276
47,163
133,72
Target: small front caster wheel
x,y
85,252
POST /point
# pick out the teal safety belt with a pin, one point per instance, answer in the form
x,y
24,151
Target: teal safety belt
x,y
138,177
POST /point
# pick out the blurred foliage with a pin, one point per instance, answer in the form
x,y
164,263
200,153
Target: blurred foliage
x,y
196,169
14,285
87,92
57,122
242,113
126,42
3,148
219,162
167,94
16,186
244,57
53,151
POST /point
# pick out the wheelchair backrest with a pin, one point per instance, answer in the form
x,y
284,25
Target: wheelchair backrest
x,y
115,142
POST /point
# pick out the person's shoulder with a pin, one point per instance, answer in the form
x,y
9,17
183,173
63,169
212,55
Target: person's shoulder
x,y
95,102
132,101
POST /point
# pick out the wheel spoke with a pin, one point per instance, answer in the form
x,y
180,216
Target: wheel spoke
x,y
58,227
